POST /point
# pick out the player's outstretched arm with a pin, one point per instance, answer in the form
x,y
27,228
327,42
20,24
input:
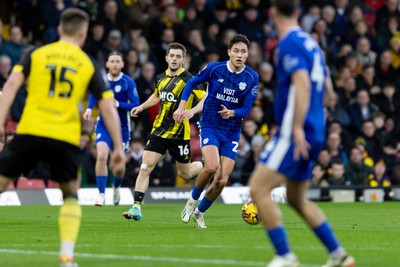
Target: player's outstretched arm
x,y
178,114
151,101
111,118
188,114
10,89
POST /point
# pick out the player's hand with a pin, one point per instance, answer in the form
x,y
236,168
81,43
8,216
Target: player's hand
x,y
136,110
178,115
117,162
226,113
301,146
187,115
87,115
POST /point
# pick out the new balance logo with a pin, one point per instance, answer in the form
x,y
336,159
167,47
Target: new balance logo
x,y
221,80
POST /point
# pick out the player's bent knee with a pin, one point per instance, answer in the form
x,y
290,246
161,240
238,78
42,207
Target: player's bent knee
x,y
211,169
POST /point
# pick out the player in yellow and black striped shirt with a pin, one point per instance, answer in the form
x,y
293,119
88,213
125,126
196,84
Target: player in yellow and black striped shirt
x,y
166,135
59,75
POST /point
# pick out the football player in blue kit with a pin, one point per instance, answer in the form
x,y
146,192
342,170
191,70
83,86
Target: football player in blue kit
x,y
288,157
232,89
126,98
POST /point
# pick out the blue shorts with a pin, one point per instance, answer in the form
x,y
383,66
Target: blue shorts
x,y
278,156
102,135
227,142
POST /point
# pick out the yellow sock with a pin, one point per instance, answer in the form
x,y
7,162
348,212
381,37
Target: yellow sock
x,y
69,222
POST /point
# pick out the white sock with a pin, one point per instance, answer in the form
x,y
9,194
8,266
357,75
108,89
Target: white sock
x,y
67,249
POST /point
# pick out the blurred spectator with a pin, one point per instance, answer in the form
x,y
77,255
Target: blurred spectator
x,y
379,177
251,25
257,145
243,153
366,80
384,70
50,12
339,24
113,43
1,34
337,175
386,32
347,93
192,21
336,112
395,50
356,171
15,46
321,31
202,9
365,55
341,76
90,6
112,17
361,110
160,49
145,54
318,174
324,160
257,115
221,17
168,19
5,69
390,9
373,144
164,173
255,57
312,15
143,13
197,49
94,42
334,148
387,101
129,38
132,66
133,161
249,129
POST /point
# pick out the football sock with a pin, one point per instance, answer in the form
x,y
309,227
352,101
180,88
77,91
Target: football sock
x,y
138,197
69,222
101,183
279,240
204,204
327,237
117,181
196,193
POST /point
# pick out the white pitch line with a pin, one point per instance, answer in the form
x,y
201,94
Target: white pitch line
x,y
204,246
148,258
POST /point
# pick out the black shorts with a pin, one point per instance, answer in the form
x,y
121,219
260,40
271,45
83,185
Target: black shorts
x,y
24,151
178,149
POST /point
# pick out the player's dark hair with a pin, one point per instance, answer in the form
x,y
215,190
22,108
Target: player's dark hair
x,y
115,53
176,46
239,38
286,7
72,20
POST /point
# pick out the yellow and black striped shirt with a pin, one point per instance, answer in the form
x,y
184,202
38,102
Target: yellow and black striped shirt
x,y
58,76
169,89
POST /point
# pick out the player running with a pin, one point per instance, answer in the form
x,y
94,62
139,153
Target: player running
x,y
126,97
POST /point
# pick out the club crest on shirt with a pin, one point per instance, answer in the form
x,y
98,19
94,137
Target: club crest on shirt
x,y
289,62
242,86
118,88
205,141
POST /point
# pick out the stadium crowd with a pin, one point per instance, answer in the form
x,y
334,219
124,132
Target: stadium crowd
x,y
360,39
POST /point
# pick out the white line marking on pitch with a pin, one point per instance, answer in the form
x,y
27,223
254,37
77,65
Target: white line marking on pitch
x,y
147,258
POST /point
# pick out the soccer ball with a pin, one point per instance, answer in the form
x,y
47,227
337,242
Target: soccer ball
x,y
250,213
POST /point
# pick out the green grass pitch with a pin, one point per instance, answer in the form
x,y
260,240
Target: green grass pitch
x,y
29,237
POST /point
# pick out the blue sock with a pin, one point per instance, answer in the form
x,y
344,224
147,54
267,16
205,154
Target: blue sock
x,y
101,183
117,181
327,237
279,240
196,193
204,204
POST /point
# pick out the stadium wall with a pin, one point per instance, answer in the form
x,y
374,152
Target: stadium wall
x,y
230,195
